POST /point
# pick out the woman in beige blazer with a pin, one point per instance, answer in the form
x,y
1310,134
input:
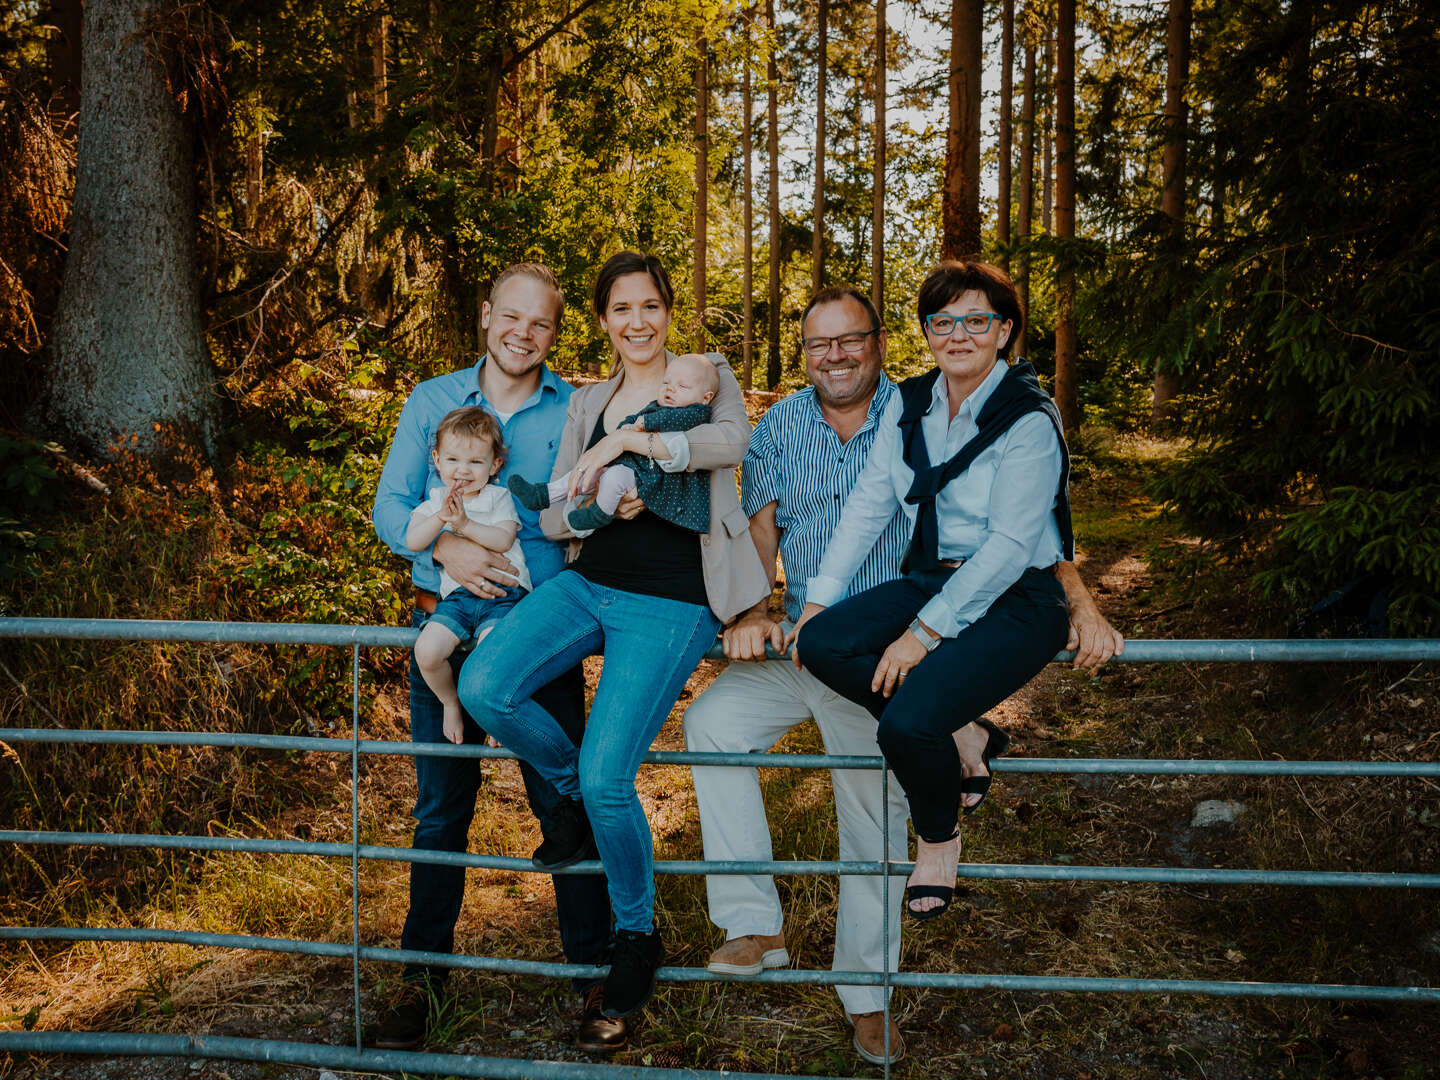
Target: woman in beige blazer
x,y
648,594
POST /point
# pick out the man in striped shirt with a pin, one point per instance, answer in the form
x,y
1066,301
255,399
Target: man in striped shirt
x,y
804,457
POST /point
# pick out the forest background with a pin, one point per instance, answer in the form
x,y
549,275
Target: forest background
x,y
233,235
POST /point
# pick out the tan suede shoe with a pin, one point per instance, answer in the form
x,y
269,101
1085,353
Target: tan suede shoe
x,y
870,1037
749,955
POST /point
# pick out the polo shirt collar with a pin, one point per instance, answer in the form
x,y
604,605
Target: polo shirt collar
x,y
548,381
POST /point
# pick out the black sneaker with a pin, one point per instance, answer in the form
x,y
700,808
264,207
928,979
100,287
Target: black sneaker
x,y
404,1023
631,982
568,840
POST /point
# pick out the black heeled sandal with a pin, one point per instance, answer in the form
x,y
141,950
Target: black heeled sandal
x,y
996,743
944,893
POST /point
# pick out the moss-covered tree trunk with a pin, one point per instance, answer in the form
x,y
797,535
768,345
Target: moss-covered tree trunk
x,y
127,351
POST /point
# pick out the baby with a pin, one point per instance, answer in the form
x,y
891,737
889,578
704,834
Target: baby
x,y
469,450
682,498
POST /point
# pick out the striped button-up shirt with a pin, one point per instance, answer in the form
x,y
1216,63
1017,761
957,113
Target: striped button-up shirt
x,y
796,461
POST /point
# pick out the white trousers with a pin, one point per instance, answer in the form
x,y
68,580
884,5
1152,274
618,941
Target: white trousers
x,y
747,709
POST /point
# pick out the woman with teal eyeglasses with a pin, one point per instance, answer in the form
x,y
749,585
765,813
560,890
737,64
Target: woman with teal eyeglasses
x,y
973,453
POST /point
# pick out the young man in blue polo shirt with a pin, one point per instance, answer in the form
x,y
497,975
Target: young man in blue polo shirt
x,y
803,459
521,321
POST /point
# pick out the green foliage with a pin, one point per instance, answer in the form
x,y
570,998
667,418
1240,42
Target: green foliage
x,y
29,489
1303,323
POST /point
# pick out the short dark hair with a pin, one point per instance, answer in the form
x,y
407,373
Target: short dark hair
x,y
832,293
953,278
472,422
631,262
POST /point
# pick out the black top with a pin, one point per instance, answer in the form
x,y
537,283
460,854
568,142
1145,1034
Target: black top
x,y
647,555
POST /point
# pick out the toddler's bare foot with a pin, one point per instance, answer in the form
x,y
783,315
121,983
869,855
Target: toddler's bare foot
x,y
454,727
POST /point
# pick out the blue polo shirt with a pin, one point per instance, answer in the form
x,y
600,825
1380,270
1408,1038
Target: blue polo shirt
x,y
532,438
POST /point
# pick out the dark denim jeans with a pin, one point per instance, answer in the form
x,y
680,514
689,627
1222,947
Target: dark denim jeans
x,y
966,675
444,807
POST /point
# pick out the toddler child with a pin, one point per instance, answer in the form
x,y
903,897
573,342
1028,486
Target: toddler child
x,y
469,451
682,498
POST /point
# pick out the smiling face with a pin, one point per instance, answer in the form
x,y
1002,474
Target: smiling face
x,y
840,378
967,358
636,319
466,460
689,380
521,320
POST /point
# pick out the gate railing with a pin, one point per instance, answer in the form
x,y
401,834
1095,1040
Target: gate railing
x,y
357,637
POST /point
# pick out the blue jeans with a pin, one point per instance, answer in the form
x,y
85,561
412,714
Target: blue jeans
x,y
651,647
463,613
444,807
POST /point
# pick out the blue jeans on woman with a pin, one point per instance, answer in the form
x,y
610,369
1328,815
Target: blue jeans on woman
x,y
651,647
444,807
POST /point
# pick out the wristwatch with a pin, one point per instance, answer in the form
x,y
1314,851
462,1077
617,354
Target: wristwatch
x,y
925,637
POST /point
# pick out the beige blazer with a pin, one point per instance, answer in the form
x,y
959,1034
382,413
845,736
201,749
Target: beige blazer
x,y
734,578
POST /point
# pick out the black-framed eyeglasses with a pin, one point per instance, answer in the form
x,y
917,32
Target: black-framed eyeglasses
x,y
850,344
973,323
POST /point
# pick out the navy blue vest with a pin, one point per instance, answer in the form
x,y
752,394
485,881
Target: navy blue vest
x,y
1018,394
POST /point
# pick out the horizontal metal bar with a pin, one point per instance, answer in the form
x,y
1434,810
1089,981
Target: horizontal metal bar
x,y
1165,875
787,976
191,630
1135,766
315,1055
1268,650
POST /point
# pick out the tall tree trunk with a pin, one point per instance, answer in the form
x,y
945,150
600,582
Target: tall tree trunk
x,y
63,51
702,181
1172,196
1007,104
877,210
772,79
1067,397
747,283
127,347
1025,211
817,242
1047,135
379,74
254,157
960,226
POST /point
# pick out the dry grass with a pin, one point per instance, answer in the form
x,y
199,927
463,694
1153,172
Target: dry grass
x,y
1089,929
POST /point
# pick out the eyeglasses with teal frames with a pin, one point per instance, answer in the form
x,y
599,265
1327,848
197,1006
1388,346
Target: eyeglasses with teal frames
x,y
974,323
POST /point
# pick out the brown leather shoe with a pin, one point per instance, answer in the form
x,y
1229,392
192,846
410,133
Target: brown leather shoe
x,y
870,1037
600,1034
406,1018
749,955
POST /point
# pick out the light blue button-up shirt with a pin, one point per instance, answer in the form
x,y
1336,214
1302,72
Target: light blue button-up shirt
x,y
998,515
532,437
796,461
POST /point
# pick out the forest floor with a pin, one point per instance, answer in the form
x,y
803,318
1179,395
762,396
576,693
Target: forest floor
x,y
1134,565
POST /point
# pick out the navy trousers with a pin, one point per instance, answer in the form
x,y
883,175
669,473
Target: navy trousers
x,y
965,676
444,807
